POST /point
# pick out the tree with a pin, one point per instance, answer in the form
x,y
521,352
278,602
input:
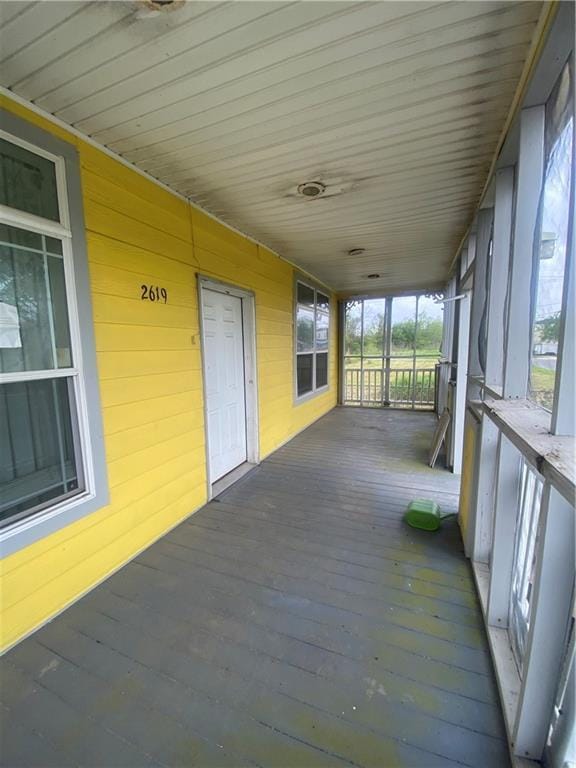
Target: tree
x,y
352,327
429,333
403,334
549,328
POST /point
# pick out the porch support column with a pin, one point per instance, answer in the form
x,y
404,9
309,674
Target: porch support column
x,y
459,405
564,408
387,349
516,359
507,485
552,600
530,170
446,352
493,374
499,264
484,231
341,352
477,544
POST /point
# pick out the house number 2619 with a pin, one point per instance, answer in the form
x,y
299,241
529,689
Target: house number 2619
x,y
153,293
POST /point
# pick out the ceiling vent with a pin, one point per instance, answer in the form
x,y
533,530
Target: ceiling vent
x,y
373,276
356,251
311,189
149,9
320,186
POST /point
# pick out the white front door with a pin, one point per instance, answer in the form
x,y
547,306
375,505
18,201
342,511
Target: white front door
x,y
225,385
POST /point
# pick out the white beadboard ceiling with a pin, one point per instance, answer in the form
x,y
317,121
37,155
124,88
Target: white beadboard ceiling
x,y
397,106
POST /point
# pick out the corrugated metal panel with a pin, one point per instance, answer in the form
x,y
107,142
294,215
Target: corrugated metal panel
x,y
398,104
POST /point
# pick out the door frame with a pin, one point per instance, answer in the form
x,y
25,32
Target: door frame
x,y
250,372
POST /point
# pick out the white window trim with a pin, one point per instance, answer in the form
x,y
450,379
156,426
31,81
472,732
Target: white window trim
x,y
83,372
316,391
62,226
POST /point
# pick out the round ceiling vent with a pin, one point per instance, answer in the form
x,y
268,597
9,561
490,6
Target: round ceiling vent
x,y
373,276
148,9
356,251
311,189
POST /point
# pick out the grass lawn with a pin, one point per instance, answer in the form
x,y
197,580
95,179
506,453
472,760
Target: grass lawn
x,y
405,362
542,385
542,378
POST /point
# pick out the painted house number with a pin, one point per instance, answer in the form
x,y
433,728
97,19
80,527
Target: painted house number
x,y
153,293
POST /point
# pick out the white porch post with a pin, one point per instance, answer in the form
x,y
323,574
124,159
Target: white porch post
x,y
507,484
516,361
487,434
553,583
499,266
564,409
484,230
529,182
459,405
552,599
498,282
341,352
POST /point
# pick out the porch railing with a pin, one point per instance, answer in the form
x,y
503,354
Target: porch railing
x,y
399,387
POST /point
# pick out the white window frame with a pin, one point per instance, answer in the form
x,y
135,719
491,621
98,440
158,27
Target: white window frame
x,y
86,412
300,280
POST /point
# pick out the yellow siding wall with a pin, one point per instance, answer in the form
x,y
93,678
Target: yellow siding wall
x,y
150,376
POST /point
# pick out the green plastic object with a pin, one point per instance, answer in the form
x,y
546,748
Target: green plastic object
x,y
423,514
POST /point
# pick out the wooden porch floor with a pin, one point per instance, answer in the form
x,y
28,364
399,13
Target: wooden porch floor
x,y
294,621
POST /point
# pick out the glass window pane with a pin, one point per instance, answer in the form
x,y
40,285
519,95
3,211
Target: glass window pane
x,y
59,311
353,328
429,331
53,246
322,301
305,295
37,462
304,373
403,325
30,240
28,181
305,329
322,329
34,327
321,370
374,310
551,245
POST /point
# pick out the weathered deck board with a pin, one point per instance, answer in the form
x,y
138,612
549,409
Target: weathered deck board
x,y
294,621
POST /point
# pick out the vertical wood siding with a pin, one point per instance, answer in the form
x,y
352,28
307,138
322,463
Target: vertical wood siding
x,y
150,376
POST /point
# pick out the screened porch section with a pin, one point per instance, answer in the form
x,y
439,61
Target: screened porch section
x,y
270,272
392,351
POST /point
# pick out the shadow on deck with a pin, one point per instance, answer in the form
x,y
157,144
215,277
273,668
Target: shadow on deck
x,y
294,621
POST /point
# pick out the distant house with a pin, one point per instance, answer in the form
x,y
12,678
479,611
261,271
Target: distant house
x,y
545,348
